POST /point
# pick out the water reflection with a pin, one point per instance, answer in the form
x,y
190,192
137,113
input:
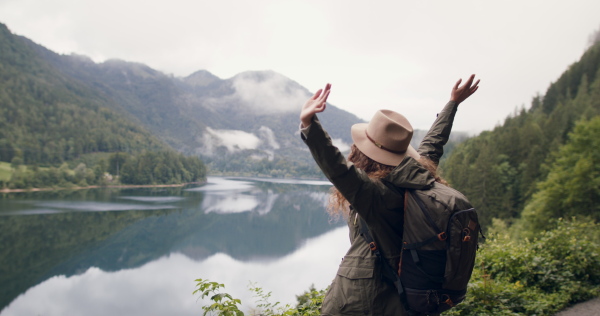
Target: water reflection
x,y
164,286
154,199
137,251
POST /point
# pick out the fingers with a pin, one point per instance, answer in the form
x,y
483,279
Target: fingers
x,y
470,81
461,93
469,86
457,84
325,95
474,87
327,91
317,94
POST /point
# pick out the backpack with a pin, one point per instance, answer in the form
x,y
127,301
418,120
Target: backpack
x,y
441,231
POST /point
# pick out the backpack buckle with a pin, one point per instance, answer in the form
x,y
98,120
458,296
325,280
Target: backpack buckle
x,y
372,246
446,300
466,235
442,236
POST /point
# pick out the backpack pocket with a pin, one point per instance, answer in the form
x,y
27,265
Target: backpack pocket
x,y
423,269
463,231
433,301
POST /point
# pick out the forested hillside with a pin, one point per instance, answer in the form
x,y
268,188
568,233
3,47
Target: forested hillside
x,y
499,170
48,119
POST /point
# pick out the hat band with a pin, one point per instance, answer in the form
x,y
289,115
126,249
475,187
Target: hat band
x,y
381,146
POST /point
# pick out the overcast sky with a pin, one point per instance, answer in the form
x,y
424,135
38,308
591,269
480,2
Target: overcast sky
x,y
400,55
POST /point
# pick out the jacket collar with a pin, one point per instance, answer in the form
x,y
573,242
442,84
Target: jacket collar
x,y
410,174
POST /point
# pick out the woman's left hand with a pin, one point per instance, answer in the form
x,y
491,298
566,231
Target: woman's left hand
x,y
461,93
316,104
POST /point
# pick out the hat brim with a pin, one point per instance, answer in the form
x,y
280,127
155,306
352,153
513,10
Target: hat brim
x,y
380,155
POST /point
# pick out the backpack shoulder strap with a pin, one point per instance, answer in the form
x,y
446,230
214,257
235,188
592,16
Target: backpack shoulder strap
x,y
388,271
441,234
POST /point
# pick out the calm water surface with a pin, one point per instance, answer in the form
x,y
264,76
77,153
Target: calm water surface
x,y
138,251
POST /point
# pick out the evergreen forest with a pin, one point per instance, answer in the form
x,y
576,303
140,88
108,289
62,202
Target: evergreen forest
x,y
544,160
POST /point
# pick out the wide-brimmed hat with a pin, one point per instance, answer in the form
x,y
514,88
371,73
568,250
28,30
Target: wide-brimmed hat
x,y
386,138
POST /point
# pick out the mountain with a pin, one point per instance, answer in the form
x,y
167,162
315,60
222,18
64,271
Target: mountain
x,y
249,118
247,124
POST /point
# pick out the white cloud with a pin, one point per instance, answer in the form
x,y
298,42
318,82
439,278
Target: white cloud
x,y
233,140
236,140
268,137
341,145
268,94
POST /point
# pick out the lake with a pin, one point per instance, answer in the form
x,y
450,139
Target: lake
x,y
137,251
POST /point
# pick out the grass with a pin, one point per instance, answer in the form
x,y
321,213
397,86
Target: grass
x,y
5,171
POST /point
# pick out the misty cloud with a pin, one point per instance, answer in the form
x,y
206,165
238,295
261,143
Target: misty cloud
x,y
268,92
233,140
267,135
341,145
236,140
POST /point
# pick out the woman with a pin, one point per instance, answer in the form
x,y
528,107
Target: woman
x,y
381,166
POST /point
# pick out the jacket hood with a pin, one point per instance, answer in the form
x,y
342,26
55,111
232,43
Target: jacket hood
x,y
410,174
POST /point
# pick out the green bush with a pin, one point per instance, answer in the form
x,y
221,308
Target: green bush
x,y
309,303
559,268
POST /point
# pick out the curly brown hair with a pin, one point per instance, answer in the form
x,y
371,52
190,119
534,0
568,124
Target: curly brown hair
x,y
338,205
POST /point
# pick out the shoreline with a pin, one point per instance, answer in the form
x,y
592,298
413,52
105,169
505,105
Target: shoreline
x,y
119,186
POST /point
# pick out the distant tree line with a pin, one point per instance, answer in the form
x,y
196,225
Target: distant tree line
x,y
165,167
147,168
246,164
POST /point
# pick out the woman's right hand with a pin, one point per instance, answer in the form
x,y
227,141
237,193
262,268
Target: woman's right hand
x,y
316,104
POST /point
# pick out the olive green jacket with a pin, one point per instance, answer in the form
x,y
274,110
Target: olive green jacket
x,y
358,288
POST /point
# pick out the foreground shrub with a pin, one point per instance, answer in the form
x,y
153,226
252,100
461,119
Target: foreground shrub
x,y
542,276
309,302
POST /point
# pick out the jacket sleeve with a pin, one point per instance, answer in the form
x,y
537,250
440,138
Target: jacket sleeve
x,y
363,193
432,146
